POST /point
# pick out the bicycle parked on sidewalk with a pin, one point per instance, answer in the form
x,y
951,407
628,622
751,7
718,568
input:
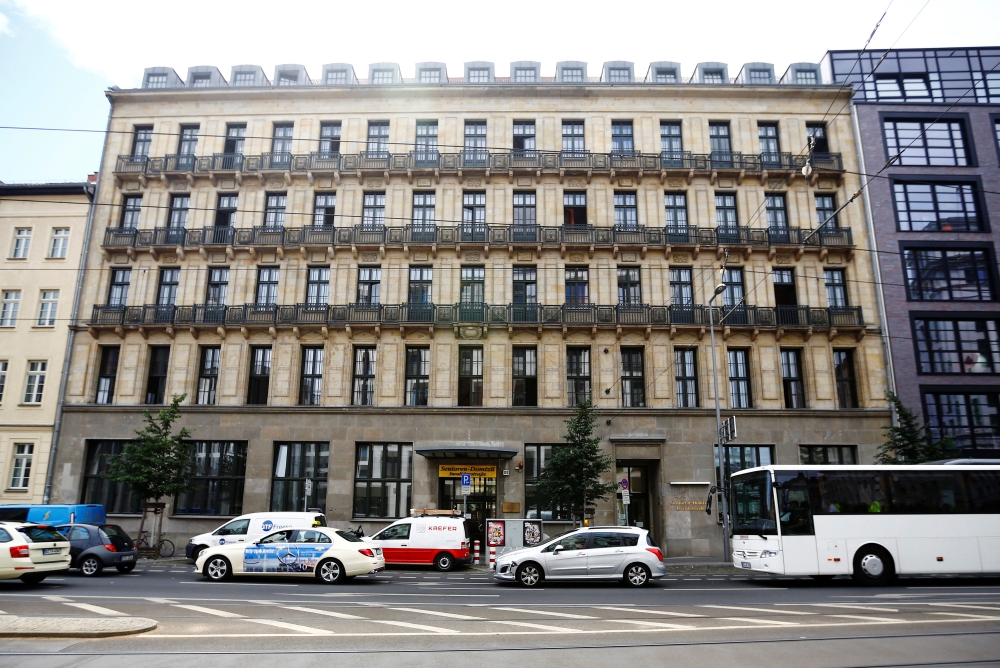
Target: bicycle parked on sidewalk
x,y
164,548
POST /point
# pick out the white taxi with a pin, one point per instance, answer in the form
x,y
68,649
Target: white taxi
x,y
329,555
31,552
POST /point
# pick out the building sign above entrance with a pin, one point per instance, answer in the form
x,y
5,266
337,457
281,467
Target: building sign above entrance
x,y
457,470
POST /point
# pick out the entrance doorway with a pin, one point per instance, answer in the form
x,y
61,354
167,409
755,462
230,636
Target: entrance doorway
x,y
636,513
480,505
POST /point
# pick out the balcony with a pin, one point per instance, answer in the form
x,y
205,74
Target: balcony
x,y
201,315
119,237
374,160
150,315
107,314
131,164
226,162
161,237
525,159
275,162
179,163
324,162
221,235
475,158
726,235
425,159
675,160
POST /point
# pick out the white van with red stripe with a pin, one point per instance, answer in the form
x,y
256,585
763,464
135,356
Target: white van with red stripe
x,y
440,540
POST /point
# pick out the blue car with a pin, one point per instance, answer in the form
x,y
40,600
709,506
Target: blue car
x,y
94,547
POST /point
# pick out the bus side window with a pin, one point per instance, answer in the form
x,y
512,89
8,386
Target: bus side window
x,y
795,507
852,492
984,491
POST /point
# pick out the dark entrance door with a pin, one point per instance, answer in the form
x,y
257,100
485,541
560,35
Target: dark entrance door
x,y
636,513
481,504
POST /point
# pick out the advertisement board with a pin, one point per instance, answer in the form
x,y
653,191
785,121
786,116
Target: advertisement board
x,y
496,533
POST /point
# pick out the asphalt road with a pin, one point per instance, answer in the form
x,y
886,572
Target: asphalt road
x,y
421,617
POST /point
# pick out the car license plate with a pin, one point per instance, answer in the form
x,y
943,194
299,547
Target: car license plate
x,y
127,557
744,564
51,550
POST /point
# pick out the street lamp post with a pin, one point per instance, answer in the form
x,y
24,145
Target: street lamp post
x,y
719,289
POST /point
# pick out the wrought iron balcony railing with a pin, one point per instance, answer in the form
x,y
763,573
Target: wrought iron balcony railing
x,y
120,237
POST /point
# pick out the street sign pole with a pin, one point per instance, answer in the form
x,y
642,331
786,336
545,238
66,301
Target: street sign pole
x,y
466,489
726,556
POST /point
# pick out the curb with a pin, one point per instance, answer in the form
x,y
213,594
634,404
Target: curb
x,y
12,626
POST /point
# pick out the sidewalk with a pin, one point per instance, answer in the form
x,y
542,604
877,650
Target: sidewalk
x,y
12,626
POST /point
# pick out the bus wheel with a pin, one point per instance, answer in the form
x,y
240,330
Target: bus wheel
x,y
873,566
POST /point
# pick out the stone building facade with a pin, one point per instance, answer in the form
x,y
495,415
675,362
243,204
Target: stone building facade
x,y
364,287
932,212
43,227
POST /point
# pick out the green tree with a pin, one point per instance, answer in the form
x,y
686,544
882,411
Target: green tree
x,y
572,475
909,441
157,463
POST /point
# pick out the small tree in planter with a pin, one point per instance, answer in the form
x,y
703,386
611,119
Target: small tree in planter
x,y
156,463
909,441
572,475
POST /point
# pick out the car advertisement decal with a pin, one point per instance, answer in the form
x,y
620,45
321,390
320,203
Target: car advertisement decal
x,y
282,558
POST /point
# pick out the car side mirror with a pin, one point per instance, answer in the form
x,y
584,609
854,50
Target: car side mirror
x,y
557,549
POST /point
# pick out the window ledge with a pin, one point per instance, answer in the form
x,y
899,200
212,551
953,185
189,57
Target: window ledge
x,y
38,405
56,258
16,490
43,326
18,259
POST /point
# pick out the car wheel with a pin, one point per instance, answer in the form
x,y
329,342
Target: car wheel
x,y
529,575
331,572
444,562
873,566
125,568
637,575
218,569
91,566
32,578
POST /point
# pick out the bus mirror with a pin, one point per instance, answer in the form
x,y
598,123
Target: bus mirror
x,y
776,485
708,501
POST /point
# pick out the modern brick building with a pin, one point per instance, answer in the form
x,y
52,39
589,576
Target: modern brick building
x,y
356,281
932,212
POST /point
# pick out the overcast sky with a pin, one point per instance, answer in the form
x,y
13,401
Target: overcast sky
x,y
57,57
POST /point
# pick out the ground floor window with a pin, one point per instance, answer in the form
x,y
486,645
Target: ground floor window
x,y
828,454
536,504
739,457
301,470
383,475
217,476
116,497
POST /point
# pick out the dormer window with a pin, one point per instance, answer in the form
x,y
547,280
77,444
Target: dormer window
x,y
666,75
335,77
430,76
711,76
619,75
201,80
288,78
156,81
572,74
525,75
760,76
806,77
479,75
902,86
382,76
243,79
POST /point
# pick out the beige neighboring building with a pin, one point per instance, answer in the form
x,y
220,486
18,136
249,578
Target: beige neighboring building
x,y
42,232
366,287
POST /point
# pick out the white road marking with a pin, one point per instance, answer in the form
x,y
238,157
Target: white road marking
x,y
207,611
965,605
328,613
866,618
763,610
419,627
761,621
650,612
164,601
656,625
843,605
58,599
107,612
240,584
959,614
546,612
292,627
438,614
541,627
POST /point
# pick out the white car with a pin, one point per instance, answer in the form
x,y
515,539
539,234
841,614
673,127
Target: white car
x,y
593,553
330,555
31,552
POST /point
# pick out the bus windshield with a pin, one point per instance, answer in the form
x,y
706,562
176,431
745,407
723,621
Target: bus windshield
x,y
752,509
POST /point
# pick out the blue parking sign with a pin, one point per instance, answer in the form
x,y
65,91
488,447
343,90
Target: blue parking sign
x,y
466,479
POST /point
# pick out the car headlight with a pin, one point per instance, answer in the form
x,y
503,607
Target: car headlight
x,y
767,553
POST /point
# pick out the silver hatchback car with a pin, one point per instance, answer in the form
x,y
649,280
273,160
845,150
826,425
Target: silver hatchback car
x,y
592,553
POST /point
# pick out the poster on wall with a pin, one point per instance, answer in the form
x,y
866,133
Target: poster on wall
x,y
495,534
532,532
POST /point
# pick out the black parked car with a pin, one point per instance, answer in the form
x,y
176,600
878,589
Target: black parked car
x,y
94,546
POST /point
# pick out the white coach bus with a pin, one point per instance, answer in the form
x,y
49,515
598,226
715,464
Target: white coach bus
x,y
871,522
